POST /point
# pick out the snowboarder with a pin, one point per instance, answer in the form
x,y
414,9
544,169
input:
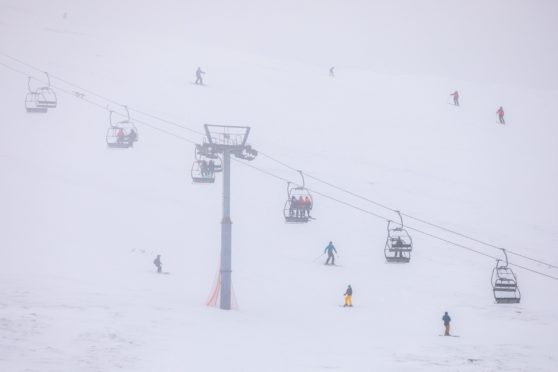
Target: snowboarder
x,y
332,71
348,297
455,98
199,77
446,318
157,262
500,113
330,256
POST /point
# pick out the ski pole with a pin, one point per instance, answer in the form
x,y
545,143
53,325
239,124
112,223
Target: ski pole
x,y
316,259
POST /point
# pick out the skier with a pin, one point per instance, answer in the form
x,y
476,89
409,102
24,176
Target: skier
x,y
330,256
446,318
307,205
157,262
120,136
292,206
348,297
300,207
455,98
211,168
500,113
332,71
204,168
132,136
199,77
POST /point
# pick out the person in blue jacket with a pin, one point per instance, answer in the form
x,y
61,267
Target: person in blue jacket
x,y
330,256
446,318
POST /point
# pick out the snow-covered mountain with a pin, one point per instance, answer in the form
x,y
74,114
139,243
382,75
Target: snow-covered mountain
x,y
81,223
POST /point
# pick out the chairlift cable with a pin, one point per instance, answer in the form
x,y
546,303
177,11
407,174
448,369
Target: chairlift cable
x,y
108,99
314,191
407,215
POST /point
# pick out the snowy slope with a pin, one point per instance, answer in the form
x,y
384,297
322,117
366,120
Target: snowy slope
x,y
81,223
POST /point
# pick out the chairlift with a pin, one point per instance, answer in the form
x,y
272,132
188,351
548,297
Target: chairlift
x,y
504,283
399,243
31,104
119,138
248,153
202,172
121,134
126,125
204,152
299,203
47,97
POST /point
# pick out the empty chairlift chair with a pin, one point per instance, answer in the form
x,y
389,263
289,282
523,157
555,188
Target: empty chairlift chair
x,y
121,134
31,105
39,100
299,203
47,97
399,243
504,283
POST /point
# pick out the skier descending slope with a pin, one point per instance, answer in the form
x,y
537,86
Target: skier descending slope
x,y
332,71
500,113
330,256
455,98
157,262
199,76
348,297
446,318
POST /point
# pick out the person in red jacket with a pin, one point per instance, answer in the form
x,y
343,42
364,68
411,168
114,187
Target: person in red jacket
x,y
455,98
500,113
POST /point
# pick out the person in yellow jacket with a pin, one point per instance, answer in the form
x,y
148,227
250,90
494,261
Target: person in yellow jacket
x,y
348,297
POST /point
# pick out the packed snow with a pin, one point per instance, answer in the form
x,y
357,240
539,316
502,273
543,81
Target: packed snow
x,y
82,223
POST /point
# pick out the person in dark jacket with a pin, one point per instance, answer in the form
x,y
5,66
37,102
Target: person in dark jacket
x,y
133,135
157,262
199,76
348,297
332,71
211,168
292,206
446,318
330,256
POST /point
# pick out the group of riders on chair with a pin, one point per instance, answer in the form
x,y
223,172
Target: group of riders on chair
x,y
301,207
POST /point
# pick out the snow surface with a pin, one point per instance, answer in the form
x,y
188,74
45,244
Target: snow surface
x,y
81,224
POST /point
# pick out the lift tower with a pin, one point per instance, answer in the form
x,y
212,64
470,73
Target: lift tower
x,y
226,141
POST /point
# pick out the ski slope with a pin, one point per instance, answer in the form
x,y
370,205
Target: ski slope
x,y
81,223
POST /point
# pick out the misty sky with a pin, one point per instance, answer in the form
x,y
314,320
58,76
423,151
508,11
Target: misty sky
x,y
503,41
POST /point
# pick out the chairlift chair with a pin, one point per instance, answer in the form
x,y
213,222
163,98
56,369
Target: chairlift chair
x,y
201,173
31,104
295,211
504,283
399,243
203,152
45,96
247,154
127,125
119,138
